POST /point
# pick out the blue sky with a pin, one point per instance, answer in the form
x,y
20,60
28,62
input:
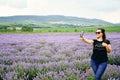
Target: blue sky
x,y
108,10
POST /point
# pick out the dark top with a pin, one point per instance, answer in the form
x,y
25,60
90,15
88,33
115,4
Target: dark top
x,y
99,52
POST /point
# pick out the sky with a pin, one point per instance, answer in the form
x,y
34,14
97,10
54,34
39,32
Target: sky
x,y
108,10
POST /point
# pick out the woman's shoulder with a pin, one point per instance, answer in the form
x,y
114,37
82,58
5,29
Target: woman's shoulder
x,y
107,41
94,39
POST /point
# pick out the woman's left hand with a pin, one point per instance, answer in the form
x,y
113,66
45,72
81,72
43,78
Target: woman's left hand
x,y
104,44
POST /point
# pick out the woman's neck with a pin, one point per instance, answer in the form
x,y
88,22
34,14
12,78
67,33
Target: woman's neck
x,y
100,39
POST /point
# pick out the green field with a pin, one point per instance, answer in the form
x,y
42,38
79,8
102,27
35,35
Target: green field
x,y
68,30
86,29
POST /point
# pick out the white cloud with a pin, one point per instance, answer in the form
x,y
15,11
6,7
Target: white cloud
x,y
112,17
101,5
14,3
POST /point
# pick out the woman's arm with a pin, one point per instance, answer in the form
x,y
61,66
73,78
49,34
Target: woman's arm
x,y
108,47
86,40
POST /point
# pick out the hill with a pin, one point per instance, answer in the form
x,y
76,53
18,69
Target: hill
x,y
54,19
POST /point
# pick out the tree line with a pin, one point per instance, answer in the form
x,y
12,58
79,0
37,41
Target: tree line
x,y
4,28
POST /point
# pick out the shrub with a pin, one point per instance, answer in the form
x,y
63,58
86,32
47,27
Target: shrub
x,y
3,28
27,29
114,59
13,28
75,30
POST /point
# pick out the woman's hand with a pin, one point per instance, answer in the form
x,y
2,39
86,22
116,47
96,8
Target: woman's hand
x,y
81,37
108,47
104,44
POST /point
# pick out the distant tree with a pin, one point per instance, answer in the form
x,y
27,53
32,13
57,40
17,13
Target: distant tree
x,y
27,29
49,30
13,28
55,30
75,30
3,28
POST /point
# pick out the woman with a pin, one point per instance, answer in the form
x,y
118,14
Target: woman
x,y
99,58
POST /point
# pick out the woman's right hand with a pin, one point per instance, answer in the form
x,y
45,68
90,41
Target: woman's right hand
x,y
81,37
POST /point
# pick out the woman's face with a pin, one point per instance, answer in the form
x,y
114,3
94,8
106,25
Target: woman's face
x,y
99,34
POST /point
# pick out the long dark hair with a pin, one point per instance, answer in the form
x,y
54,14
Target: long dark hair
x,y
104,35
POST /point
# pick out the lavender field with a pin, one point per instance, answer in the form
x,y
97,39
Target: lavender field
x,y
53,57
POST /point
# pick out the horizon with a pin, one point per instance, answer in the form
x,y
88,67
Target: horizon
x,y
78,8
